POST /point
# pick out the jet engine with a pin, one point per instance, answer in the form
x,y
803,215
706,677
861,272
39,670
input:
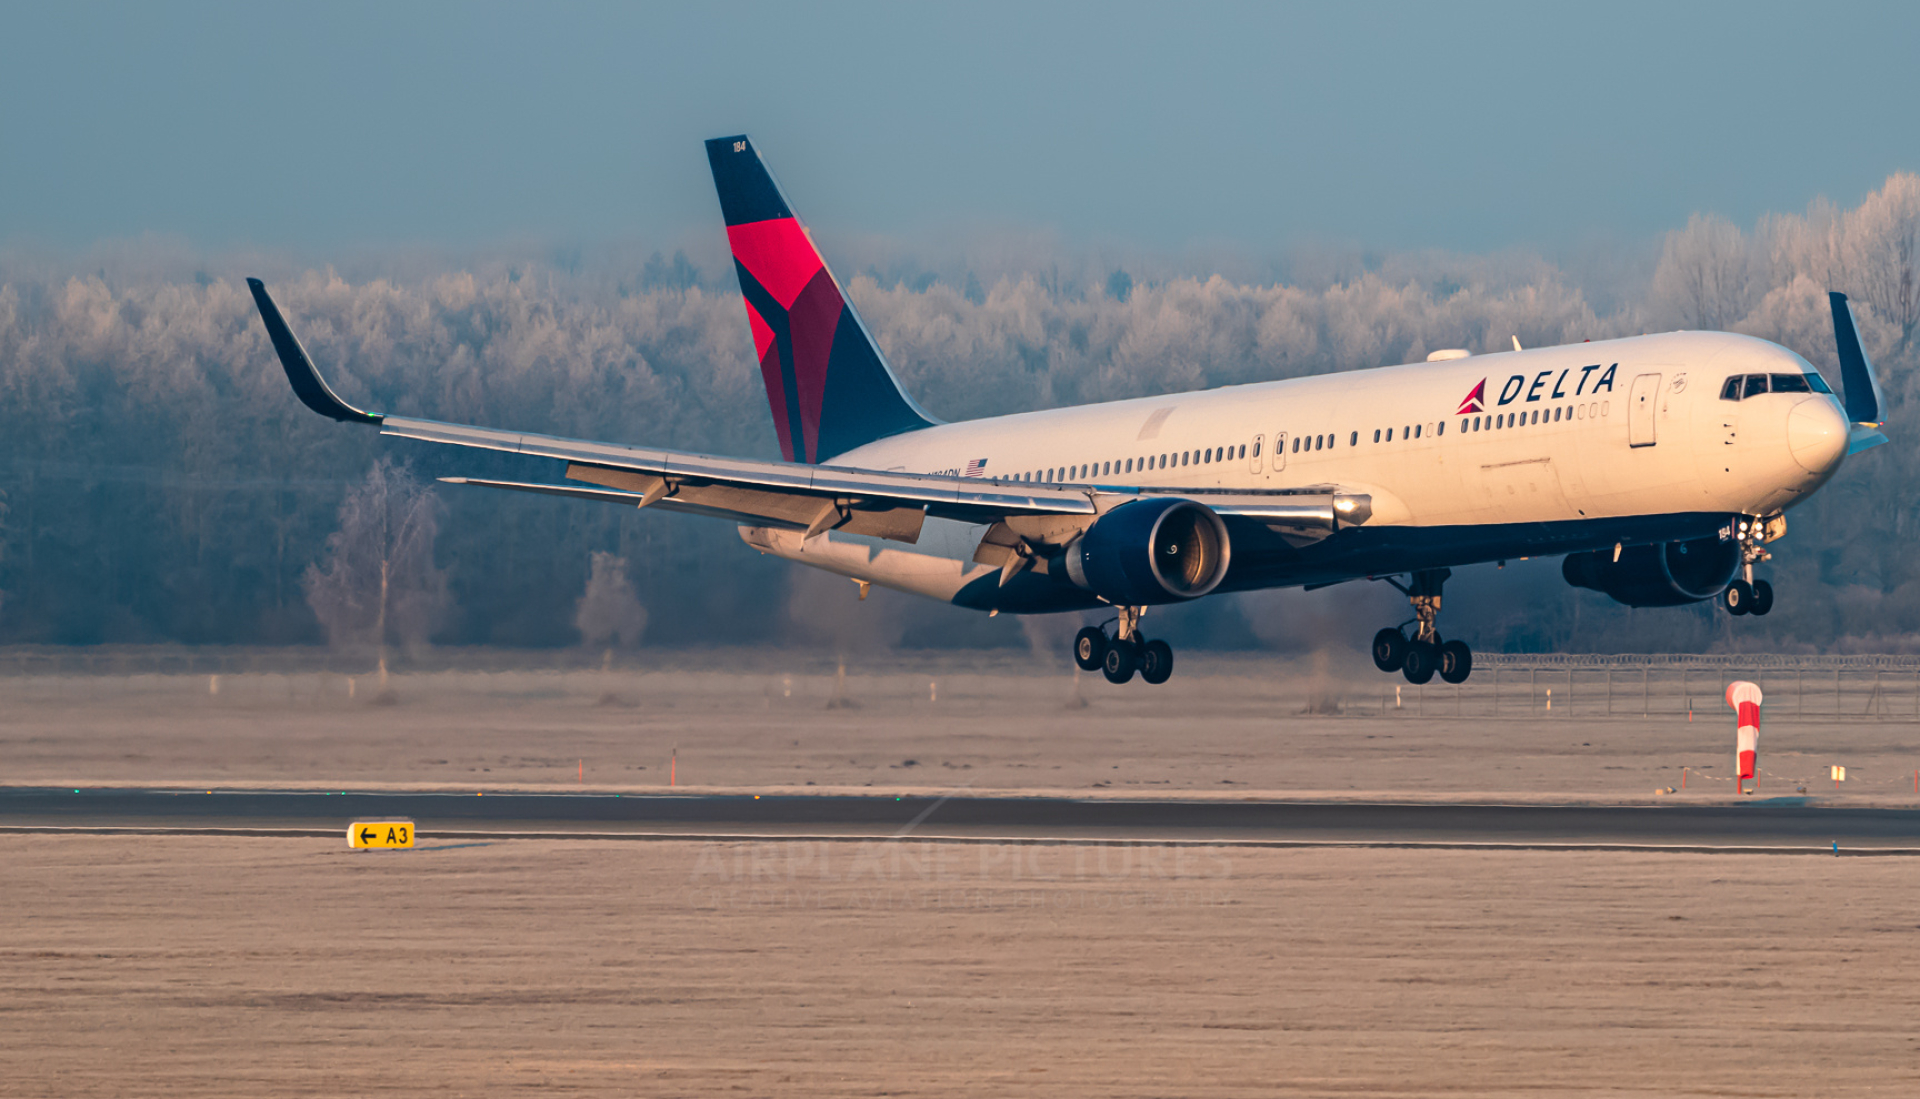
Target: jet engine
x,y
1150,551
1665,575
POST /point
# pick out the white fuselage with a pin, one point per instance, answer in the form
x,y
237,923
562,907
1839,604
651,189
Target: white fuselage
x,y
1630,427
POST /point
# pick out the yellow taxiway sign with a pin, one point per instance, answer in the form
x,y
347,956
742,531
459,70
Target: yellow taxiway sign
x,y
380,833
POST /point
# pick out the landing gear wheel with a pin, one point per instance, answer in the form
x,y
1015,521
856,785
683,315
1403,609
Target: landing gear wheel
x,y
1090,648
1156,661
1423,659
1456,662
1738,598
1121,660
1762,597
1389,650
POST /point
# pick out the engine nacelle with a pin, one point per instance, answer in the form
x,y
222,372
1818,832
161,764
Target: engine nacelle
x,y
1666,575
1150,551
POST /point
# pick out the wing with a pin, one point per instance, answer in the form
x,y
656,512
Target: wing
x,y
789,495
810,498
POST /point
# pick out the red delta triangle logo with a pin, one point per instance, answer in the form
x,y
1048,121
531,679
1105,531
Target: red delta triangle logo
x,y
1476,401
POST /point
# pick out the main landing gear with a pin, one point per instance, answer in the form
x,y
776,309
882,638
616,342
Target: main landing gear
x,y
1747,595
1119,656
1421,656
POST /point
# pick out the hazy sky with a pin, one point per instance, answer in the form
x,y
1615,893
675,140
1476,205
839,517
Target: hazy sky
x,y
325,126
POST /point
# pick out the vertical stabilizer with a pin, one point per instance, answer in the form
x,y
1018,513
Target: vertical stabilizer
x,y
827,384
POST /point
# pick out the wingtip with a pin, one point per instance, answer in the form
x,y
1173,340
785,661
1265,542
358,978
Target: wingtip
x,y
305,378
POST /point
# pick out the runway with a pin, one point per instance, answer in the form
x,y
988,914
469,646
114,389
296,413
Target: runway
x,y
1786,824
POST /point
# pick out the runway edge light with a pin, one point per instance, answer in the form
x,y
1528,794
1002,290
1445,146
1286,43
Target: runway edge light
x,y
383,834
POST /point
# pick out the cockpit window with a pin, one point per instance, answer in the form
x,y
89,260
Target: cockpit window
x,y
1741,386
1790,383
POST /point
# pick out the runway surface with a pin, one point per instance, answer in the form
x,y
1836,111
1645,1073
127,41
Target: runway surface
x,y
1779,823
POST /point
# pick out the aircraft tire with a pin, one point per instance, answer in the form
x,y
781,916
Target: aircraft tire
x,y
1422,661
1121,660
1456,662
1156,662
1389,649
1090,648
1762,597
1738,598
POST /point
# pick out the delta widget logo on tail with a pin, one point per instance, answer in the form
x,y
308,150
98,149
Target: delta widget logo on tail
x,y
1476,401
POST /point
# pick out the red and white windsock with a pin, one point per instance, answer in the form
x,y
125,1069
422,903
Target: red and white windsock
x,y
1744,697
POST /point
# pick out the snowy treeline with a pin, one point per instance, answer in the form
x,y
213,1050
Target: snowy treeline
x,y
161,483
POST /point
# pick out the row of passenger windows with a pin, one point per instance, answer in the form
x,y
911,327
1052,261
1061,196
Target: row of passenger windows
x,y
1474,423
1202,457
1558,413
1308,443
1741,386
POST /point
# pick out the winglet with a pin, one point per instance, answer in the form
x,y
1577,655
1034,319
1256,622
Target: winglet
x,y
1863,400
307,383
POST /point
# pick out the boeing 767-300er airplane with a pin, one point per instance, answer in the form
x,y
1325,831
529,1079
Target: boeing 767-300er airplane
x,y
1661,466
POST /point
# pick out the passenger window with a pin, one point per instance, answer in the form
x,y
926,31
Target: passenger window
x,y
1790,383
1376,434
1354,440
1416,431
1731,390
1756,384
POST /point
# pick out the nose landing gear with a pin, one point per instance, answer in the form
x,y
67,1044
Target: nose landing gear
x,y
1747,595
1119,656
1425,654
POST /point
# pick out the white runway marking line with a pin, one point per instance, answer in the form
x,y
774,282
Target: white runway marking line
x,y
1824,848
928,811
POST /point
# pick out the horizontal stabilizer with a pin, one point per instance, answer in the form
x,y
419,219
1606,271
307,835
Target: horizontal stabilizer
x,y
1864,437
308,385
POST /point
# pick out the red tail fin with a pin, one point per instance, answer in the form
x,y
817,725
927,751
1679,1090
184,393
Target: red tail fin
x,y
827,384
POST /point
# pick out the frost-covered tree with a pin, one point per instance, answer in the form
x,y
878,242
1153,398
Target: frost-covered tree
x,y
609,612
379,584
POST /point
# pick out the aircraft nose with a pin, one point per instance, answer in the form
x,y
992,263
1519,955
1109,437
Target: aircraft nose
x,y
1817,434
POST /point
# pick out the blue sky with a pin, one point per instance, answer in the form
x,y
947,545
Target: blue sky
x,y
311,128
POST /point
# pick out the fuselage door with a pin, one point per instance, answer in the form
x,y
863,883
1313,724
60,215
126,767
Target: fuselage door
x,y
1255,452
1279,452
1641,403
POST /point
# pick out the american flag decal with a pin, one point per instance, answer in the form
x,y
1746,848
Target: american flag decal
x,y
976,468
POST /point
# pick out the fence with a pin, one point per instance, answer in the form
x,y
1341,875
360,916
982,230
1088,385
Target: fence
x,y
1877,687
